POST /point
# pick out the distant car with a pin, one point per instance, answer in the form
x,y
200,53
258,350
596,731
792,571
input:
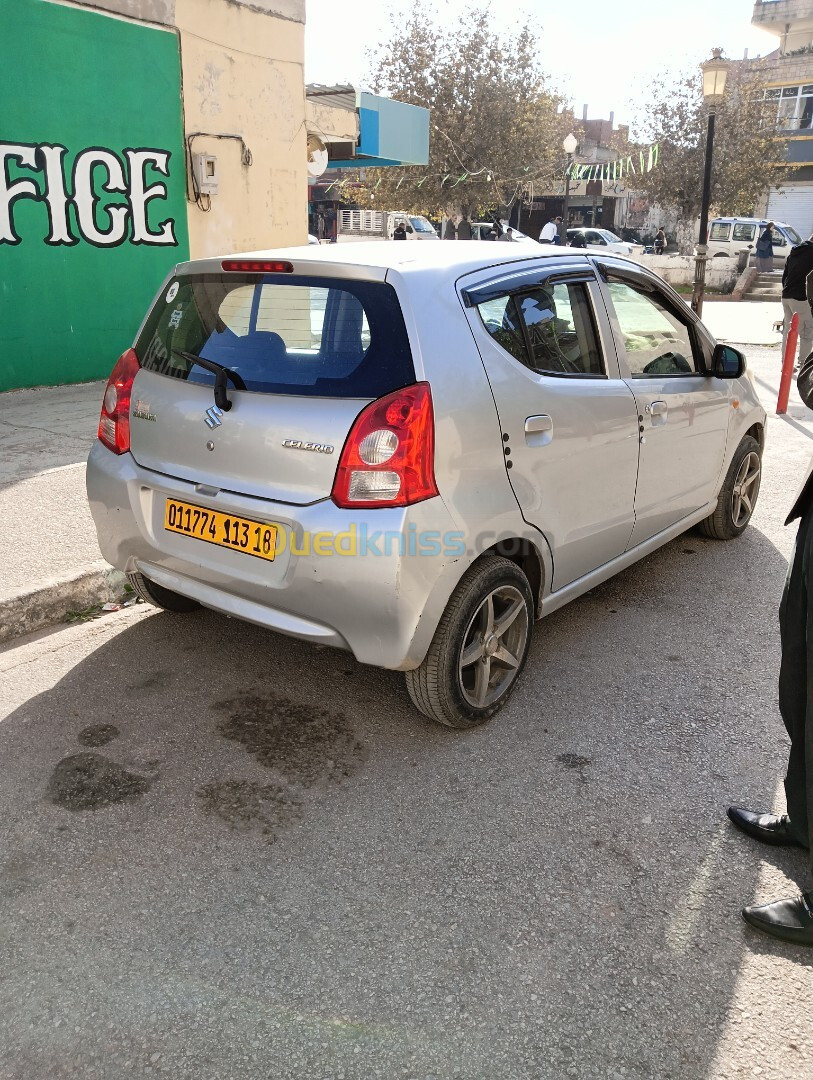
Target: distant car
x,y
603,240
414,455
481,229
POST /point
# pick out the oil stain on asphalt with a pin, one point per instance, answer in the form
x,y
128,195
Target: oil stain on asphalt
x,y
300,745
90,781
97,734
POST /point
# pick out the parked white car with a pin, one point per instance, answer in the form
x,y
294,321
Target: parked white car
x,y
480,231
414,457
602,240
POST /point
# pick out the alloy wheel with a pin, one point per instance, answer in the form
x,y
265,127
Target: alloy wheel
x,y
746,485
493,646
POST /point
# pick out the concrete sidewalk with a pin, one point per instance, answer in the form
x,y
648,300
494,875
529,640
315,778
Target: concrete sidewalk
x,y
50,555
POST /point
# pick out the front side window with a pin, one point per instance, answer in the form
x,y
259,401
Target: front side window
x,y
791,234
744,233
549,328
594,237
656,340
720,230
280,334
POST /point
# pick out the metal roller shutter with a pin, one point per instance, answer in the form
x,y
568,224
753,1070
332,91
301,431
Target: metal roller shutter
x,y
794,206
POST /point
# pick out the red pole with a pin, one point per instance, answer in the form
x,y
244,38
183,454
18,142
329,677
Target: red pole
x,y
787,366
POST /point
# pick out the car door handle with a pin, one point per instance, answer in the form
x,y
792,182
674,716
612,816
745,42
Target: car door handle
x,y
538,430
656,408
535,425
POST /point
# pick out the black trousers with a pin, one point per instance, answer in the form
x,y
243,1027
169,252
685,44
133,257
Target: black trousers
x,y
796,681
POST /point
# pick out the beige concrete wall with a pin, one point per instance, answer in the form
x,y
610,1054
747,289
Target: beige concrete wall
x,y
243,75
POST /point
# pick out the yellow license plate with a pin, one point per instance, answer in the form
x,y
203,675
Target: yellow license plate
x,y
225,530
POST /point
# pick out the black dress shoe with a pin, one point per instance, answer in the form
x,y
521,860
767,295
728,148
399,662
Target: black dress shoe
x,y
769,828
788,920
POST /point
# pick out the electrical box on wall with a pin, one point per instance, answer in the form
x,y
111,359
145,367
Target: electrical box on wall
x,y
206,176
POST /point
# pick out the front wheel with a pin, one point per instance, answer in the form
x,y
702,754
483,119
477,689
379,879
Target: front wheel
x,y
738,495
479,648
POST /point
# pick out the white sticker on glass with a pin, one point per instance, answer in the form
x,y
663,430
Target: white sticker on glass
x,y
172,293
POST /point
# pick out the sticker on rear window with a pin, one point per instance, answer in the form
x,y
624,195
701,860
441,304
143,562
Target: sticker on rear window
x,y
172,292
175,318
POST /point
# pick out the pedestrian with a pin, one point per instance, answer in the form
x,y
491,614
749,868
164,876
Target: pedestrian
x,y
660,241
508,236
400,232
765,250
795,299
792,919
550,231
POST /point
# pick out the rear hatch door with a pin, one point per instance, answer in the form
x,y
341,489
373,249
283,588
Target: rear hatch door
x,y
303,354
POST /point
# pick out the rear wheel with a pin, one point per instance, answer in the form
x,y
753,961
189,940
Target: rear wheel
x,y
479,648
160,597
738,495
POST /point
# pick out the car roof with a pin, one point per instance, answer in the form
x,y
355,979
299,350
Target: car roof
x,y
750,220
455,258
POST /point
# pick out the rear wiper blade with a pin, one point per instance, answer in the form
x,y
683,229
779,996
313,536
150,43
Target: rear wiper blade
x,y
221,374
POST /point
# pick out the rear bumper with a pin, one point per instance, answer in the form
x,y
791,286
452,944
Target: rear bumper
x,y
378,588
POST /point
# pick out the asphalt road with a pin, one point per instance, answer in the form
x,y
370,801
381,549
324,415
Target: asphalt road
x,y
228,854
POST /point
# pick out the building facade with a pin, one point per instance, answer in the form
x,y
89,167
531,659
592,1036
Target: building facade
x,y
135,134
787,76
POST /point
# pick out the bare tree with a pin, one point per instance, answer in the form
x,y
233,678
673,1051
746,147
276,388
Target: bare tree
x,y
745,148
496,125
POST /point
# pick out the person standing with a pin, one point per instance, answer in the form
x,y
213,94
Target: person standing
x,y
792,919
550,231
400,231
795,300
765,250
660,241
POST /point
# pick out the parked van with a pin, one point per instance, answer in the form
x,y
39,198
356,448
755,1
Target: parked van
x,y
731,235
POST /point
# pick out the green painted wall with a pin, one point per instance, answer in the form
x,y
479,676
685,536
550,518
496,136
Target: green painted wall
x,y
70,299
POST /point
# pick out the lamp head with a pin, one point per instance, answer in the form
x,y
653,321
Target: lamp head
x,y
715,74
570,143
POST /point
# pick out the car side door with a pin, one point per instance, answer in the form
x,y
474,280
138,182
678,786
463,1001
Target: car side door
x,y
569,421
683,411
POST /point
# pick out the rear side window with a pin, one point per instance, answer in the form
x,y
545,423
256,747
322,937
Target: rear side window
x,y
281,335
549,328
720,230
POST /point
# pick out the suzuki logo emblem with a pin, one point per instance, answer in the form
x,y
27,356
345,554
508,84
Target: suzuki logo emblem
x,y
212,417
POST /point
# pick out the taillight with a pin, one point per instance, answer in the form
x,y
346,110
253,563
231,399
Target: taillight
x,y
114,423
389,456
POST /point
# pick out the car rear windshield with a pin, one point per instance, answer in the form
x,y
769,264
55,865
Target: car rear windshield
x,y
281,334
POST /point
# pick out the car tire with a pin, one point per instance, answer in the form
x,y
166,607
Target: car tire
x,y
160,597
465,677
738,495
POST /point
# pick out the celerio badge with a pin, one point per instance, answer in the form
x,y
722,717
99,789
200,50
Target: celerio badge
x,y
300,444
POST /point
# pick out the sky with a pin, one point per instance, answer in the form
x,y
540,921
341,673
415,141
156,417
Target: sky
x,y
600,53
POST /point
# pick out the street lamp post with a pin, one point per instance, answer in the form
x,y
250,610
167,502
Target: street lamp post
x,y
715,73
569,144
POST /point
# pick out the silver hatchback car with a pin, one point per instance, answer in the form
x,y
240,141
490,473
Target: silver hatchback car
x,y
414,452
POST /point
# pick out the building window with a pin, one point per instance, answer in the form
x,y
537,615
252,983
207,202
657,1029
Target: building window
x,y
794,106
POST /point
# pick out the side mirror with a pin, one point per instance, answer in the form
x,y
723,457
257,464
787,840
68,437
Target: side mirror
x,y
409,228
727,363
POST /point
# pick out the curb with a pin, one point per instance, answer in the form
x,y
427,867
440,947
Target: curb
x,y
48,606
